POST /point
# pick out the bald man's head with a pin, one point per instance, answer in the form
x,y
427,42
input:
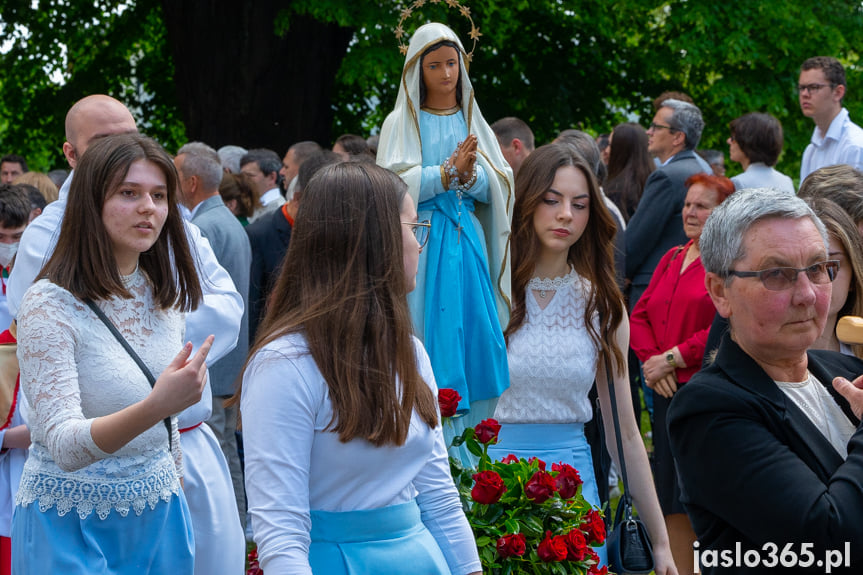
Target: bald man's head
x,y
92,117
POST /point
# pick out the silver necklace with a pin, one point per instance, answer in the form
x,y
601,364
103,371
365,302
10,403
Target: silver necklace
x,y
545,285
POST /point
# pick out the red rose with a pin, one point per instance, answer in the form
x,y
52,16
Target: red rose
x,y
576,546
448,400
567,480
539,461
552,548
487,430
595,569
488,488
539,487
509,459
511,545
593,527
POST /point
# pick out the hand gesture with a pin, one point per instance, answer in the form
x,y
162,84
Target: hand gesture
x,y
852,391
465,158
183,381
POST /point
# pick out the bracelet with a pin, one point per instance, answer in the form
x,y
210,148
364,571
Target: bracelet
x,y
469,184
452,173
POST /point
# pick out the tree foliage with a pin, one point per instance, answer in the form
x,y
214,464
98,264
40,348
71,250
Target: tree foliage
x,y
110,47
554,63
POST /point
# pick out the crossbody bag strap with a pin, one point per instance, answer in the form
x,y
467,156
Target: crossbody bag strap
x,y
147,373
626,498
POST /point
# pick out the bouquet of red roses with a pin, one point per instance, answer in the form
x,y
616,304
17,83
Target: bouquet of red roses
x,y
525,517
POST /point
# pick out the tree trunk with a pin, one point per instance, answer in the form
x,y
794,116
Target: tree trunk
x,y
240,83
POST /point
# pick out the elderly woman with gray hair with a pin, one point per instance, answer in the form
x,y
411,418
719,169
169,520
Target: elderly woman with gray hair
x,y
767,439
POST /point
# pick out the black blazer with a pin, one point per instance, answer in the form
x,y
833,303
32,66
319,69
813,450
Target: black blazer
x,y
754,469
657,225
269,237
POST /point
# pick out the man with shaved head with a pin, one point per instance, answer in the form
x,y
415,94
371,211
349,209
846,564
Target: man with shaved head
x,y
91,118
218,542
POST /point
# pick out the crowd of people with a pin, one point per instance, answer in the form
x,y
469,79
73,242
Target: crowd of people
x,y
160,308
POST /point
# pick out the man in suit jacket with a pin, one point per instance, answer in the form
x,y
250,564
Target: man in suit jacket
x,y
768,452
657,226
270,236
200,171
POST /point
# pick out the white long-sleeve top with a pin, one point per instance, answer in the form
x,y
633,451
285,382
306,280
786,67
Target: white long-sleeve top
x,y
294,465
73,370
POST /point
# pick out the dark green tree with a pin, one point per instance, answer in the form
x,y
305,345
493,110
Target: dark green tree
x,y
271,72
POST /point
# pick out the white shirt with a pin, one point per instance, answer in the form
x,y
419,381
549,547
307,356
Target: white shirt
x,y
822,410
294,465
271,196
842,144
552,360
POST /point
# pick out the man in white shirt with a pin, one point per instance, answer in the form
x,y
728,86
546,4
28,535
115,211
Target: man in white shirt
x,y
836,139
262,167
220,313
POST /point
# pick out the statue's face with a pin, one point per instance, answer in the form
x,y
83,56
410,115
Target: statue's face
x,y
440,72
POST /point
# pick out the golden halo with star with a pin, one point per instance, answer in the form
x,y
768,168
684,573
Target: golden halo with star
x,y
463,10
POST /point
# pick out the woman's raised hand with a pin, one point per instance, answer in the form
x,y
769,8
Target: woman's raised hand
x,y
183,381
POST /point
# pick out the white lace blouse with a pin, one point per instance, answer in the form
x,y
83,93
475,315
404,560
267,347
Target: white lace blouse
x,y
552,360
73,370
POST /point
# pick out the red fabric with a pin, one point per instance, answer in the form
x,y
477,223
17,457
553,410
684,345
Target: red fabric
x,y
5,556
287,215
7,337
675,310
185,429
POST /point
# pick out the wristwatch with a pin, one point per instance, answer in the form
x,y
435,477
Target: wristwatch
x,y
669,358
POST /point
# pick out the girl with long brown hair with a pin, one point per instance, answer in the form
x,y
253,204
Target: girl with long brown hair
x,y
568,323
346,467
101,489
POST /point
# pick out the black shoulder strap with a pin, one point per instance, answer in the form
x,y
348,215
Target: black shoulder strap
x,y
149,375
626,498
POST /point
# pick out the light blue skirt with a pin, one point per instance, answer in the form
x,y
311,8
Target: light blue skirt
x,y
390,540
160,540
552,443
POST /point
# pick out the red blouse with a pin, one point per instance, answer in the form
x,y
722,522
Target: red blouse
x,y
675,310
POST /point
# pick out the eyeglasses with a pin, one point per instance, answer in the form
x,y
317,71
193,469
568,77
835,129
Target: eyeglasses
x,y
779,279
420,231
655,126
811,88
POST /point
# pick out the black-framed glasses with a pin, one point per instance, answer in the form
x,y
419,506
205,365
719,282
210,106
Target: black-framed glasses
x,y
811,88
655,126
420,230
779,279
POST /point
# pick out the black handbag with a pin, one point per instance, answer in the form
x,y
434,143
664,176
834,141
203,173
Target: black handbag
x,y
628,545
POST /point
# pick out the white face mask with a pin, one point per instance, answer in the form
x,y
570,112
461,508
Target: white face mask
x,y
7,252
